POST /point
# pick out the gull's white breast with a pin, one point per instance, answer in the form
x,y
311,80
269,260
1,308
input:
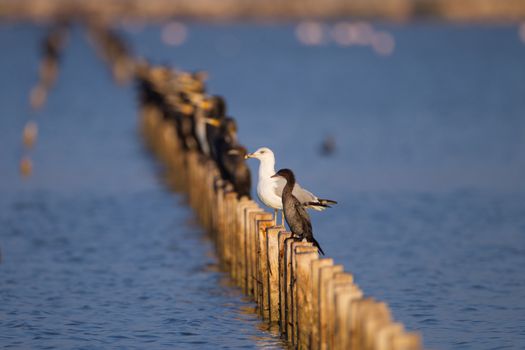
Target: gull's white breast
x,y
266,190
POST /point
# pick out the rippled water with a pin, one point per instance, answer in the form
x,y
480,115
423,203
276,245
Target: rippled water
x,y
99,270
429,173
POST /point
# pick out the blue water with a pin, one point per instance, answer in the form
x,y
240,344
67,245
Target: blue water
x,y
429,172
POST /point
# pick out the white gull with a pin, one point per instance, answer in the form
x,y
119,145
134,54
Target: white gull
x,y
269,190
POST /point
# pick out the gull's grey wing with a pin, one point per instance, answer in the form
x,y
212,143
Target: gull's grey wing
x,y
303,195
278,187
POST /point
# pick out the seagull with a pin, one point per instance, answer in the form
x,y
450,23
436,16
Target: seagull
x,y
294,211
270,189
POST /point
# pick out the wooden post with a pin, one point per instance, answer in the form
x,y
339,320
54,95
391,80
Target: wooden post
x,y
315,271
253,235
340,279
250,249
264,222
325,274
385,336
296,247
378,317
304,258
250,207
229,220
287,285
239,242
273,268
407,341
344,296
358,314
248,219
284,237
219,220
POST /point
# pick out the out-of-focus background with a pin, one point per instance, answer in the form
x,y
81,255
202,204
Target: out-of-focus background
x,y
411,114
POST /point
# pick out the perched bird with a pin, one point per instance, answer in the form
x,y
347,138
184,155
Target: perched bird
x,y
224,140
294,211
199,118
216,115
269,188
184,122
237,170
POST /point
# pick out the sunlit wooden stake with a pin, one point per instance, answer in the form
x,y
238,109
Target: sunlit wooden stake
x,y
340,279
304,258
265,222
325,275
315,271
284,238
407,341
273,272
344,296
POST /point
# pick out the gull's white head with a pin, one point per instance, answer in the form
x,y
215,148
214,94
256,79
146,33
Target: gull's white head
x,y
263,153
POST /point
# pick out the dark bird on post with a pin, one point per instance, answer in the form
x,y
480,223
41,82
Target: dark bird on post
x,y
294,211
216,116
225,139
237,170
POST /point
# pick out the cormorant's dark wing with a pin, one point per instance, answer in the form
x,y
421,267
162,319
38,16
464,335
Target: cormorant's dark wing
x,y
305,218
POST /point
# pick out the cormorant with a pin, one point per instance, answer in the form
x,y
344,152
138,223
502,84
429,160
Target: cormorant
x,y
294,211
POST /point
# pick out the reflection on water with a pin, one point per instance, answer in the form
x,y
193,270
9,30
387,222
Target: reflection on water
x,y
428,172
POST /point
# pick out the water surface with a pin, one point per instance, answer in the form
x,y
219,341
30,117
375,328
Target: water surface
x,y
429,173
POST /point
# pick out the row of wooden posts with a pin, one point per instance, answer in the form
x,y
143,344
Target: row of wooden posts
x,y
314,302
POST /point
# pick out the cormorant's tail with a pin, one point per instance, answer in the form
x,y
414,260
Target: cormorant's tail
x,y
316,244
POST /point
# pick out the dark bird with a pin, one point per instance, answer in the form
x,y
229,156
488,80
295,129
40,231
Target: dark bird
x,y
237,171
294,211
215,118
225,139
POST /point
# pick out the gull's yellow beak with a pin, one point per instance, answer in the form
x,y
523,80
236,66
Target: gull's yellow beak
x,y
249,155
213,122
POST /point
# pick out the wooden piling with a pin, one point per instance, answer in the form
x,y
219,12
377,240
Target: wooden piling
x,y
325,275
303,261
407,341
344,296
340,279
283,237
262,274
273,271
